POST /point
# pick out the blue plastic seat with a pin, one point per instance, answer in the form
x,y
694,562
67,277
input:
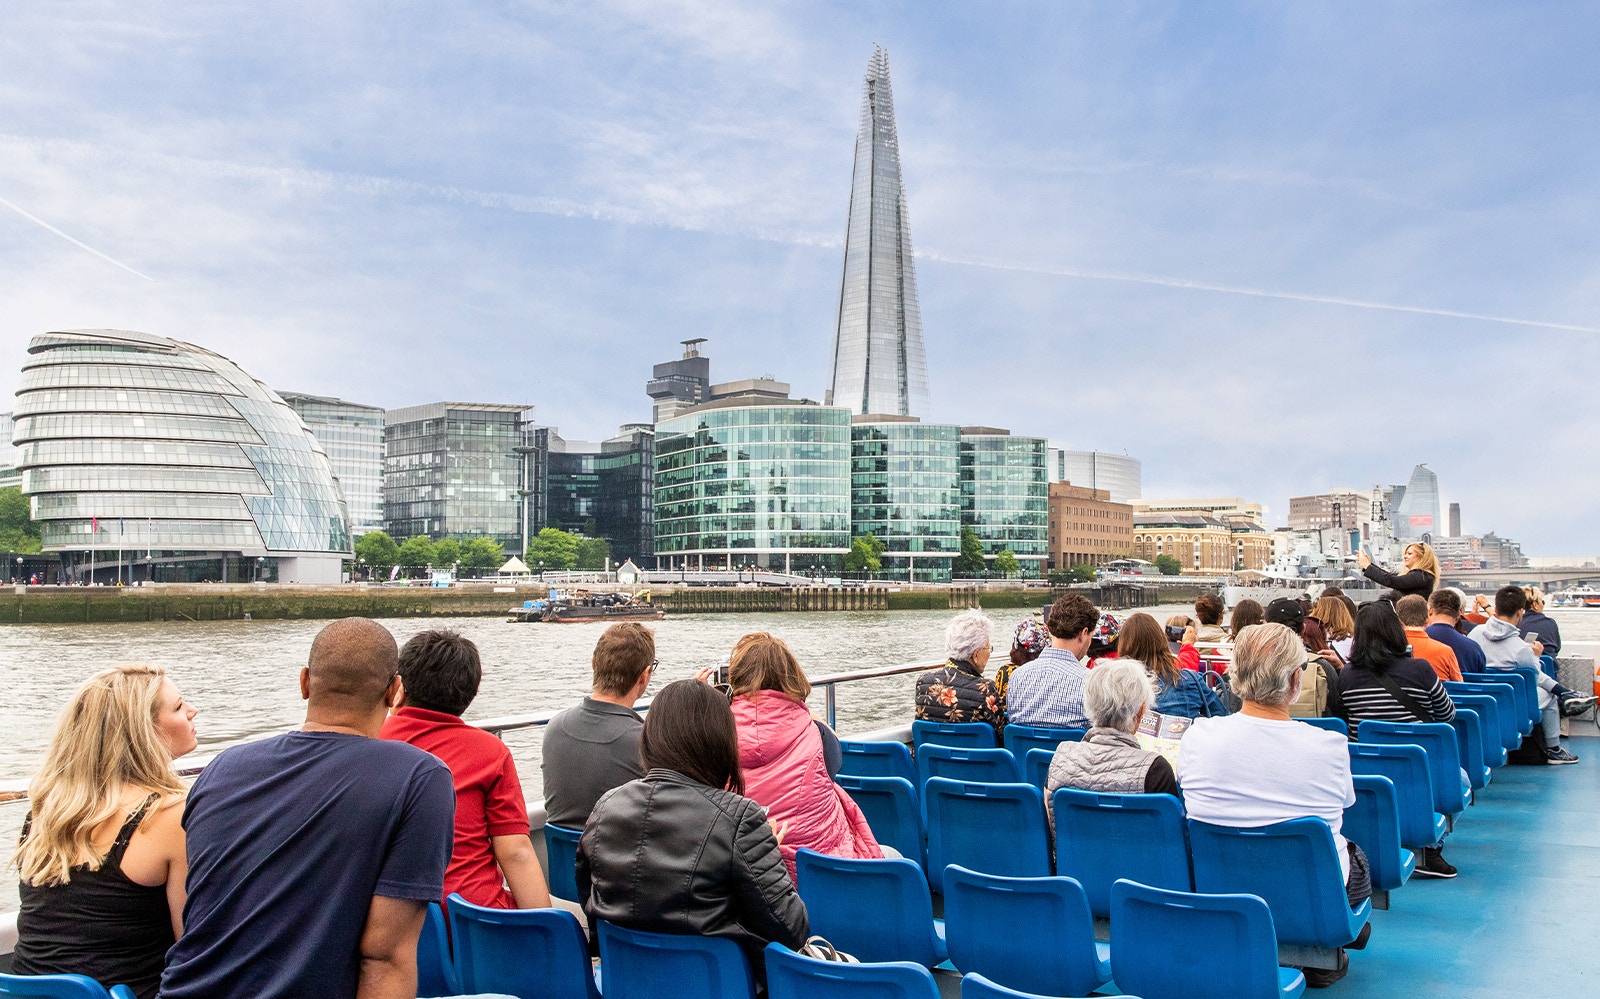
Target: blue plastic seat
x,y
795,976
1021,739
991,766
1331,724
638,964
1469,743
1519,696
436,969
976,986
877,759
1101,838
1493,730
1177,945
1292,866
1034,934
968,735
60,987
1407,768
1036,767
1505,700
1373,823
876,910
1530,687
1438,740
994,828
528,953
890,805
561,849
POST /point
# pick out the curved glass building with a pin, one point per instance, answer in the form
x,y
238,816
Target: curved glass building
x,y
905,490
765,485
1005,494
149,458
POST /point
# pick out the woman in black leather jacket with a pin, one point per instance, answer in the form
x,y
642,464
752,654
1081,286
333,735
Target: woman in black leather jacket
x,y
681,850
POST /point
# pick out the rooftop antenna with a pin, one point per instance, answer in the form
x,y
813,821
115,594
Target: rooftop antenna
x,y
691,348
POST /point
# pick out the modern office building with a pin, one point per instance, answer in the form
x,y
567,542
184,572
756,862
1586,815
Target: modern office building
x,y
1118,474
602,489
679,385
352,436
1087,527
1005,496
1416,506
1220,507
753,481
878,362
150,458
1455,520
458,469
905,490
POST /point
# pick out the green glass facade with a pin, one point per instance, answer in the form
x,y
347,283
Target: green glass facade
x,y
905,490
767,486
1005,496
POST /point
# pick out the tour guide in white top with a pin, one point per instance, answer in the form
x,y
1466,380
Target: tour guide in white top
x,y
1048,692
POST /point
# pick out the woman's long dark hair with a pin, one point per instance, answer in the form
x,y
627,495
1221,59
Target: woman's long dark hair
x,y
689,729
1379,639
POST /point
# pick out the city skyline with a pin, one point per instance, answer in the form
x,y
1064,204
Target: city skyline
x,y
1136,223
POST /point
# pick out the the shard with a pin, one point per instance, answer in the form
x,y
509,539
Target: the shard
x,y
878,364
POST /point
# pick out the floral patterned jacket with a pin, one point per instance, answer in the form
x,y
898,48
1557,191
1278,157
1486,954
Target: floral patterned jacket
x,y
958,692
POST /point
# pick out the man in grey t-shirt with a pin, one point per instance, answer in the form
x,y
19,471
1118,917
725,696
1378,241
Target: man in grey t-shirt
x,y
594,746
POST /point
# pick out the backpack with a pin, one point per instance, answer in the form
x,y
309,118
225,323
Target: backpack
x,y
1319,691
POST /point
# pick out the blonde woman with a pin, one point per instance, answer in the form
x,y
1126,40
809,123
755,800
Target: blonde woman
x,y
101,861
1337,625
1420,577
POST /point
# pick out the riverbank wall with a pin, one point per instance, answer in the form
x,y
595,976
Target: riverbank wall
x,y
271,601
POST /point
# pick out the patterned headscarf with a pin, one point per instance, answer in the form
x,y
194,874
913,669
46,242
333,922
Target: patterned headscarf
x,y
1105,631
1031,635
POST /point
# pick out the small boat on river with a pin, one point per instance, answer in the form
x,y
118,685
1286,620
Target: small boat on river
x,y
562,608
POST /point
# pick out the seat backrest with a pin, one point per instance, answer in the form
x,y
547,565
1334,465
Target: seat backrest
x,y
1291,865
1469,743
1021,739
59,987
972,735
1178,945
638,964
1331,724
1373,823
561,847
877,910
1489,717
1519,694
994,828
891,808
1103,837
436,969
877,759
976,986
795,976
1505,700
991,766
1036,767
1034,934
520,951
1438,740
1407,768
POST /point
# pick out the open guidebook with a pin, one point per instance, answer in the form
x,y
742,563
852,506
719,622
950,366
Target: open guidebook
x,y
1164,734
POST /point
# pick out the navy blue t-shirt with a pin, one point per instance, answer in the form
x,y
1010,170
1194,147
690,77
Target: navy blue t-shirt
x,y
288,840
1469,654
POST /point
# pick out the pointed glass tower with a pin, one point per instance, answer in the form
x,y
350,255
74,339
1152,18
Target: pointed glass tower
x,y
878,364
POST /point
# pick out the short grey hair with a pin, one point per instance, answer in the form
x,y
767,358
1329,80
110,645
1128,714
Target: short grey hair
x,y
1116,690
967,634
1266,658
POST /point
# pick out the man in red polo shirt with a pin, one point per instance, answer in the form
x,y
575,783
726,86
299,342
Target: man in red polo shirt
x,y
440,672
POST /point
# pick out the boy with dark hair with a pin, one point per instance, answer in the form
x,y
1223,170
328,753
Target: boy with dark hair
x,y
440,672
1504,649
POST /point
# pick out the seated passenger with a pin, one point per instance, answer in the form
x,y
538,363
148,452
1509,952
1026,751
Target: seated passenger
x,y
1504,649
1444,620
1180,690
1103,640
313,855
1245,613
441,671
1537,626
1049,693
1027,642
101,860
1110,759
1412,611
681,850
957,691
781,755
1208,608
1260,766
1338,625
594,746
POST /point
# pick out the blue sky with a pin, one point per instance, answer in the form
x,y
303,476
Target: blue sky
x,y
535,201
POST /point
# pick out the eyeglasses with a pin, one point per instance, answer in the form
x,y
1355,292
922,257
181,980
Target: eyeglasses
x,y
653,664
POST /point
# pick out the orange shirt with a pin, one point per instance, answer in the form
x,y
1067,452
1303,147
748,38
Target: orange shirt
x,y
1439,655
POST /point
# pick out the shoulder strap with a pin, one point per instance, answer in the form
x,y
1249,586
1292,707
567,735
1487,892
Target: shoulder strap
x,y
131,826
1406,700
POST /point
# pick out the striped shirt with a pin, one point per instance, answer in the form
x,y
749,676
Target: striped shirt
x,y
1048,692
1365,698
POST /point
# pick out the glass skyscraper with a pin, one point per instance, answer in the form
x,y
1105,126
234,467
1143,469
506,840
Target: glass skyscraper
x,y
1417,508
603,490
1005,494
352,436
456,469
878,363
905,490
1118,474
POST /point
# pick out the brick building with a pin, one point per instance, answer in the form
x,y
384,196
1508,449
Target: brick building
x,y
1086,527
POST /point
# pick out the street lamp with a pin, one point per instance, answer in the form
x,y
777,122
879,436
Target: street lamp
x,y
261,562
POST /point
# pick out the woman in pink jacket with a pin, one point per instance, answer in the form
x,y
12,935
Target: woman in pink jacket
x,y
781,754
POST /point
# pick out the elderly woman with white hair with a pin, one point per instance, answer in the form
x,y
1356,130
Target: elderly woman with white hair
x,y
1259,766
958,691
1110,759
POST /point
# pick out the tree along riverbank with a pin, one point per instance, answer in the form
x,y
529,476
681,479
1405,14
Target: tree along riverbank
x,y
271,601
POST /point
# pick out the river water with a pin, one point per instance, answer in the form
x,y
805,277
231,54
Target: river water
x,y
243,674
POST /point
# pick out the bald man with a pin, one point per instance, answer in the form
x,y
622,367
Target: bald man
x,y
313,854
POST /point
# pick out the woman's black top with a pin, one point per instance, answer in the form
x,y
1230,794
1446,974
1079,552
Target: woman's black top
x,y
1418,581
100,923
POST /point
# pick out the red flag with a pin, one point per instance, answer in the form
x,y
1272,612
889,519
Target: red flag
x,y
94,525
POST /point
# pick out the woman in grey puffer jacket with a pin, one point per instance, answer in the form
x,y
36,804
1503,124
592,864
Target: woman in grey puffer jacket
x,y
1110,759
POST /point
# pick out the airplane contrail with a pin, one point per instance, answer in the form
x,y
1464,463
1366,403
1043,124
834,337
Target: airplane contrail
x,y
75,242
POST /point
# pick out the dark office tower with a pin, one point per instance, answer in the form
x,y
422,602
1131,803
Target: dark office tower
x,y
678,385
878,364
1455,520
